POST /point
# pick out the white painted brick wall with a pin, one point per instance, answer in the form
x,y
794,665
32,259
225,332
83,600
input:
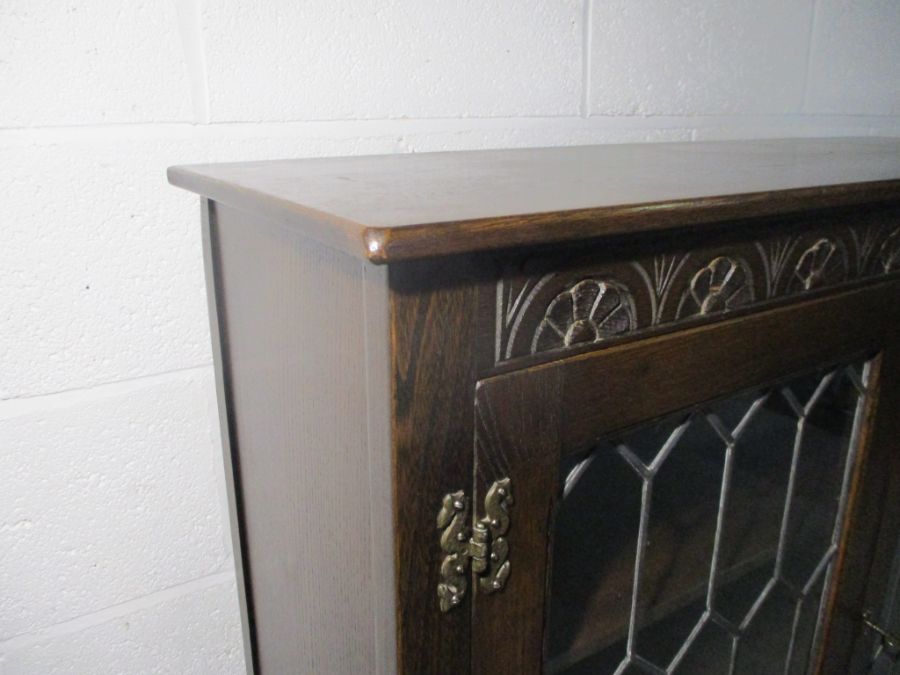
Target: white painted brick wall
x,y
109,493
698,58
91,62
347,59
855,58
114,556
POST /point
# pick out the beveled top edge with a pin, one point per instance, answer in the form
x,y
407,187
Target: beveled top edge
x,y
386,245
385,209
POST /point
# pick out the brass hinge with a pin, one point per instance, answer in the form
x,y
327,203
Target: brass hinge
x,y
483,548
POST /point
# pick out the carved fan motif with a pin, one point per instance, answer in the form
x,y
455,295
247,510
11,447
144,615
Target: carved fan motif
x,y
722,285
819,265
890,252
589,311
556,302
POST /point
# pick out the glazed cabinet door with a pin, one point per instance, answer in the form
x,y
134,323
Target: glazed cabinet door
x,y
706,502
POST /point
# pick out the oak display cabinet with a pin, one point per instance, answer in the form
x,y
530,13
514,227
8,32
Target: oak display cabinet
x,y
615,409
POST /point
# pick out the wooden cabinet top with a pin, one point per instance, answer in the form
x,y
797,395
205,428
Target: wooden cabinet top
x,y
400,207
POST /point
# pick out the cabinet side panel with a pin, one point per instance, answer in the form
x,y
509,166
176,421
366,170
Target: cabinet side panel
x,y
378,394
210,257
307,451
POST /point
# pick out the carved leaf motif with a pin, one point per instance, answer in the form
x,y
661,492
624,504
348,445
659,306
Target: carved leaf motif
x,y
721,285
865,240
546,312
775,255
665,269
817,264
589,311
890,252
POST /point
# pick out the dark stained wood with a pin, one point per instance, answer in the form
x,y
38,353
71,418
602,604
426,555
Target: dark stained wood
x,y
557,227
643,285
805,335
357,396
433,316
870,540
399,207
512,442
539,414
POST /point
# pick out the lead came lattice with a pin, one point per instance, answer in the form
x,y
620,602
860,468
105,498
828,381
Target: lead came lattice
x,y
802,586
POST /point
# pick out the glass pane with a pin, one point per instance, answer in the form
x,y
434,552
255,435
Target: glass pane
x,y
702,543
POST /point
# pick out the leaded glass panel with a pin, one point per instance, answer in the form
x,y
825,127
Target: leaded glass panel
x,y
703,543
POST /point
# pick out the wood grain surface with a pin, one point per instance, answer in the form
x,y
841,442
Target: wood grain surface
x,y
517,441
357,396
399,207
433,336
869,542
307,396
544,412
800,337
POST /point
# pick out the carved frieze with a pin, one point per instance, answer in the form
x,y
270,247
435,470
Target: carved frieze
x,y
577,299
